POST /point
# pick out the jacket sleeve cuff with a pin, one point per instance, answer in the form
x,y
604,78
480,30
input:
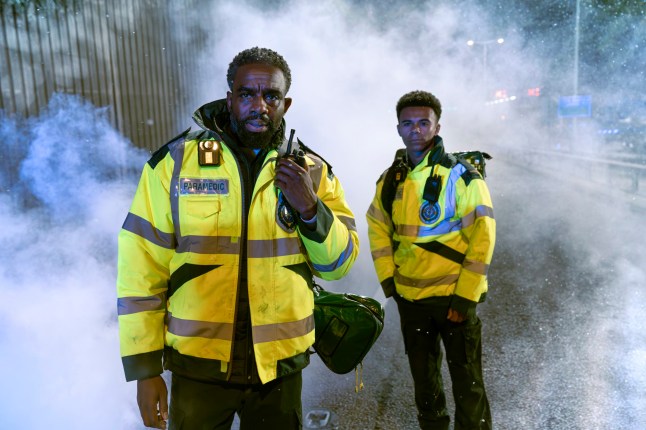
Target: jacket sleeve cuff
x,y
324,219
388,285
463,306
142,366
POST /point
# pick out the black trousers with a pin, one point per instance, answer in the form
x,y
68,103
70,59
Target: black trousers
x,y
200,406
423,326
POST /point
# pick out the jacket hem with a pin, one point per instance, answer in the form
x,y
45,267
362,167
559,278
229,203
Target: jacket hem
x,y
199,369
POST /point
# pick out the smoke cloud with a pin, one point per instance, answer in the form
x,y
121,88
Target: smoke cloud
x,y
66,202
350,65
70,185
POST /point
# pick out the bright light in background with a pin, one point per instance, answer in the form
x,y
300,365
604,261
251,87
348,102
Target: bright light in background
x,y
499,41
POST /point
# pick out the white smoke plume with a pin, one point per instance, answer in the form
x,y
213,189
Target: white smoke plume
x,y
69,187
66,202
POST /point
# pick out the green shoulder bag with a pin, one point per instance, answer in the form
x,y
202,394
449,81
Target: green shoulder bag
x,y
346,327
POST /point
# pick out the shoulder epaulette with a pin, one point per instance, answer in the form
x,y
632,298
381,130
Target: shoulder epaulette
x,y
161,152
199,135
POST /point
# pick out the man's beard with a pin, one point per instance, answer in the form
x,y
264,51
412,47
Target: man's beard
x,y
259,140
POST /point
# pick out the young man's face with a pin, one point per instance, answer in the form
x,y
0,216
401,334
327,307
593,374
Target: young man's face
x,y
257,103
417,127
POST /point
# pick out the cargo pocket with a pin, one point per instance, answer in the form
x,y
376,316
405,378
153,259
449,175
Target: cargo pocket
x,y
466,340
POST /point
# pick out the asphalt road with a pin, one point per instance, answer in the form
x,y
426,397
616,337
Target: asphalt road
x,y
563,346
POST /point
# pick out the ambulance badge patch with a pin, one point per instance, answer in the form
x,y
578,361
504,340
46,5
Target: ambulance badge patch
x,y
429,214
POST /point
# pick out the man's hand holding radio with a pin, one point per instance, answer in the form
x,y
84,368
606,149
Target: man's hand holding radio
x,y
293,179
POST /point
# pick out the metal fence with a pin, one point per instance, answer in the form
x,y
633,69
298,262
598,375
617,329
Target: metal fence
x,y
610,174
116,53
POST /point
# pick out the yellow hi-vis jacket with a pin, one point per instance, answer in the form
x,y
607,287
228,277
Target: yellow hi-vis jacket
x,y
429,251
179,265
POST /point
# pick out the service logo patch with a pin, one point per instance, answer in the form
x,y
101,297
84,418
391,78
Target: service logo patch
x,y
429,214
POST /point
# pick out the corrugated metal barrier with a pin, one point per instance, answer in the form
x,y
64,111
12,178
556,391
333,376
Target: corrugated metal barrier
x,y
116,53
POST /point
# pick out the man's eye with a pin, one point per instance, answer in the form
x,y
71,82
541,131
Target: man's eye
x,y
272,97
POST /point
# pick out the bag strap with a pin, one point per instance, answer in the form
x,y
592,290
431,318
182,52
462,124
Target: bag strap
x,y
395,174
473,161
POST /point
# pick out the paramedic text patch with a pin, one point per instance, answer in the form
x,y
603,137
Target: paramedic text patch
x,y
203,186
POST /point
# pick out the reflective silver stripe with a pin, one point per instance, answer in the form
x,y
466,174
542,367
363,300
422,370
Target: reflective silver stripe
x,y
133,305
281,331
349,222
177,154
209,245
386,251
484,211
423,283
407,230
476,266
347,252
374,212
479,212
450,200
142,227
273,248
206,329
446,226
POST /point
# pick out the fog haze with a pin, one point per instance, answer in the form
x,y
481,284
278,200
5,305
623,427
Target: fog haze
x,y
69,189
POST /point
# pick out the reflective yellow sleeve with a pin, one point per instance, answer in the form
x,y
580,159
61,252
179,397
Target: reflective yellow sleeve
x,y
146,245
334,245
479,227
380,233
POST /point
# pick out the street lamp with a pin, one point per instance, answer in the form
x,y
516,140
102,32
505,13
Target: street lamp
x,y
485,44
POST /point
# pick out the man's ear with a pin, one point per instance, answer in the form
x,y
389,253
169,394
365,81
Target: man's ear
x,y
229,98
288,103
399,132
437,129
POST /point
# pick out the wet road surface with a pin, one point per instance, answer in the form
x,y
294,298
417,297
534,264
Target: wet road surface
x,y
563,344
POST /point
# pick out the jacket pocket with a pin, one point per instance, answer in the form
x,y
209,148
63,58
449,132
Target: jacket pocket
x,y
199,216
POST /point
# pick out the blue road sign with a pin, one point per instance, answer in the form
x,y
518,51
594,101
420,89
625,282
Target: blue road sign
x,y
575,106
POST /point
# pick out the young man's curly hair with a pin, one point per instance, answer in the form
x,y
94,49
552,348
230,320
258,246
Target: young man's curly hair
x,y
258,55
419,98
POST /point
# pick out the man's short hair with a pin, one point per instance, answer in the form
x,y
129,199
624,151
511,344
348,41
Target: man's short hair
x,y
419,98
258,55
